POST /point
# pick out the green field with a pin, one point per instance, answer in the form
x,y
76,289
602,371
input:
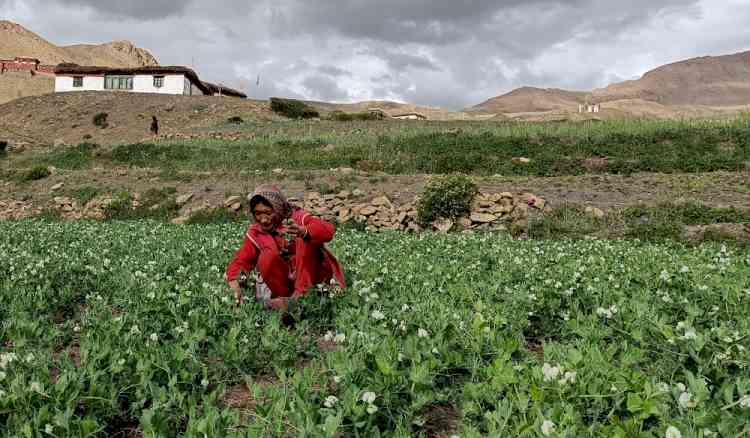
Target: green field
x,y
478,148
127,328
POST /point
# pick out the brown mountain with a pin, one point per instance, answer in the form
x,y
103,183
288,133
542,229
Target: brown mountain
x,y
709,81
15,40
530,99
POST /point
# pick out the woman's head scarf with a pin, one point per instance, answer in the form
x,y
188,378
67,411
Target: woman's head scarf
x,y
271,195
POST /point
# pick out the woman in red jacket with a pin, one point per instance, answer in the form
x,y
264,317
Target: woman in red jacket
x,y
286,268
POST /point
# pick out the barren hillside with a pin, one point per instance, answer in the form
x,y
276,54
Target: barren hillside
x,y
68,117
710,80
530,99
15,40
392,109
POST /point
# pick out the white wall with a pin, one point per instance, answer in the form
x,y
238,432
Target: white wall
x,y
90,83
173,84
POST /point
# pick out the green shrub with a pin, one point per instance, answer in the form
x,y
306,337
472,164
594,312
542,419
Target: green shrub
x,y
294,109
448,197
235,120
217,216
100,120
36,173
85,194
341,116
71,157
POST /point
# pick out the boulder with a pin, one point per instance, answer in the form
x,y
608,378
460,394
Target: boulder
x,y
465,222
230,201
382,201
180,220
368,210
482,218
184,199
57,187
236,206
343,194
357,193
521,160
594,212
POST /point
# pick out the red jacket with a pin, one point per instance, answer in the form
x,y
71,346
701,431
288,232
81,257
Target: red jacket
x,y
310,262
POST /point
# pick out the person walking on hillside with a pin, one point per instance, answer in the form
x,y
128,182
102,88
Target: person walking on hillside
x,y
286,267
154,126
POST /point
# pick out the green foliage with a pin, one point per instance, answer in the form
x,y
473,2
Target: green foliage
x,y
217,216
145,154
100,120
447,197
599,338
158,204
70,157
36,173
85,194
341,116
294,109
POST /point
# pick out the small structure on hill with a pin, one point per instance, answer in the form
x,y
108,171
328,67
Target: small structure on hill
x,y
377,114
22,64
173,80
589,108
410,116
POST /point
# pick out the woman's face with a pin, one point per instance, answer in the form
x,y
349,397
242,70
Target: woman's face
x,y
265,216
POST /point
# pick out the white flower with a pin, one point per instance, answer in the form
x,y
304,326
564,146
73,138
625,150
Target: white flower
x,y
673,432
570,377
686,400
689,335
330,401
681,387
378,315
2,376
29,358
154,337
422,333
435,351
400,357
405,307
339,338
337,379
36,387
204,383
76,328
369,397
548,428
684,269
681,325
48,429
6,359
744,401
134,330
662,387
550,372
371,409
328,337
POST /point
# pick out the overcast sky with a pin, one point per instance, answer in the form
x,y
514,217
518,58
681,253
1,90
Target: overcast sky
x,y
448,53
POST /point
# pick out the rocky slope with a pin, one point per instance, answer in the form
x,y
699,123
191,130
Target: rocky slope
x,y
530,99
15,40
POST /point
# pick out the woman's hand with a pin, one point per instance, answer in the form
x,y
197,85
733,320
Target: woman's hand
x,y
295,230
239,299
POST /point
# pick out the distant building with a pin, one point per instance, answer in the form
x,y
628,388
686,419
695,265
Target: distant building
x,y
589,108
409,116
25,64
161,80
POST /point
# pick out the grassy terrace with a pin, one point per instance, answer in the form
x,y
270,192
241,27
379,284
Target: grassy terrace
x,y
478,148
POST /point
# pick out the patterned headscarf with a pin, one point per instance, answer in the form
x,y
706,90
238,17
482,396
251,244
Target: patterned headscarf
x,y
272,196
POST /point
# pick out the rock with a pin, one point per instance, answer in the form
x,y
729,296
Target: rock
x,y
184,199
344,215
343,194
180,220
278,171
59,142
230,201
313,196
506,195
443,225
521,160
401,217
382,201
368,210
57,187
357,193
236,206
482,218
345,170
465,222
594,212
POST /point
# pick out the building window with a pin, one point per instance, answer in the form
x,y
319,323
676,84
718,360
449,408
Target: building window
x,y
78,81
158,81
118,82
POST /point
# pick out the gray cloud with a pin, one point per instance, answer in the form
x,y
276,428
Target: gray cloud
x,y
451,53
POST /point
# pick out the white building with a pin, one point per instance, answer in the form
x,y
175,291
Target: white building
x,y
161,80
409,116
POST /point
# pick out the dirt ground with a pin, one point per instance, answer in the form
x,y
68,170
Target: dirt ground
x,y
719,189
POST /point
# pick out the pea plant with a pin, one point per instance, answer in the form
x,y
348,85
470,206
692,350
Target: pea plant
x,y
128,329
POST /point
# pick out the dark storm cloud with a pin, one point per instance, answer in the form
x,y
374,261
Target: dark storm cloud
x,y
451,53
140,9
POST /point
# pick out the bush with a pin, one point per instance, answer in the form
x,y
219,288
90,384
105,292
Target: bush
x,y
100,120
235,120
3,147
36,173
341,116
448,197
294,109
